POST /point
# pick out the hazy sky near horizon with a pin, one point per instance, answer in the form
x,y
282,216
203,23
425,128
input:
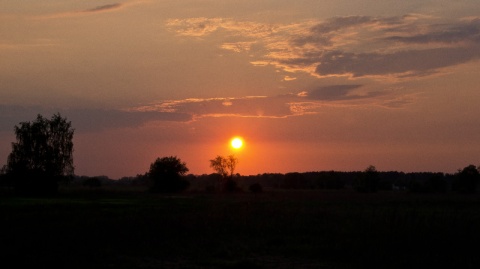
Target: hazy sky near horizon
x,y
310,85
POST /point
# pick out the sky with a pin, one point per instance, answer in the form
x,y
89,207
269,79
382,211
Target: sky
x,y
310,85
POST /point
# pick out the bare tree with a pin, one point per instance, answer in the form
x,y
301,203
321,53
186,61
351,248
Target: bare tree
x,y
225,166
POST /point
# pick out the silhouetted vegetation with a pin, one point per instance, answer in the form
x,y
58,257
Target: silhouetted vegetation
x,y
428,183
166,175
255,188
368,181
414,182
41,156
92,182
225,166
231,185
466,180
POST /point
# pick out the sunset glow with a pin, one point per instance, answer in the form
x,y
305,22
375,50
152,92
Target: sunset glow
x,y
314,85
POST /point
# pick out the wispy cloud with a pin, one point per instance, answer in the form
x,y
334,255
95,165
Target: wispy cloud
x,y
251,106
354,46
280,106
94,10
36,43
238,46
202,26
103,8
195,26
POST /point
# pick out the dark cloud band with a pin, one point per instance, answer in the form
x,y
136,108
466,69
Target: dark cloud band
x,y
104,8
87,119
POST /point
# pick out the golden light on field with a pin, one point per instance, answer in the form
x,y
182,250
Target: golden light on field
x,y
236,143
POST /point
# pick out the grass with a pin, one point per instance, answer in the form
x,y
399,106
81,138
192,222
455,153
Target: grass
x,y
277,229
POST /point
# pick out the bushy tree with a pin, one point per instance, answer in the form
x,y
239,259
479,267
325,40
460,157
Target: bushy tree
x,y
42,154
166,174
467,179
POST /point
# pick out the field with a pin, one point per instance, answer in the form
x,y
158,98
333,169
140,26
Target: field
x,y
274,229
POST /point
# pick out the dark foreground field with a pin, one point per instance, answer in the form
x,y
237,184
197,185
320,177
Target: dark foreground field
x,y
278,229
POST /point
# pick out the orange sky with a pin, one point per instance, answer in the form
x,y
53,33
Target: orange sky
x,y
311,85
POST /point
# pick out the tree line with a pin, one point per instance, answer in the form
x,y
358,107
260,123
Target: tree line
x,y
42,158
366,182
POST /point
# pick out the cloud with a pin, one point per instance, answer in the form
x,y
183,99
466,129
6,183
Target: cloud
x,y
402,63
250,106
327,33
362,47
103,8
91,11
280,106
352,46
335,92
462,32
87,119
238,46
36,43
289,78
201,26
188,110
98,119
195,26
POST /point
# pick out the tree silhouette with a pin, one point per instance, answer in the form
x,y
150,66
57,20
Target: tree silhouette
x,y
166,174
225,166
467,179
92,182
42,155
368,180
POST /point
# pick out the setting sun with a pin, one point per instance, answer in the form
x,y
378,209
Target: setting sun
x,y
237,143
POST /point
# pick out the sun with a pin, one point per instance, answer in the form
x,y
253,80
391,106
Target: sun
x,y
236,143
